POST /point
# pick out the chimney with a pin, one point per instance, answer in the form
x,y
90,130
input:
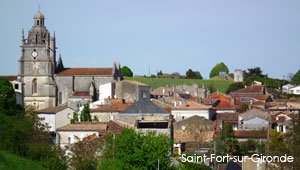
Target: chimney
x,y
123,101
233,100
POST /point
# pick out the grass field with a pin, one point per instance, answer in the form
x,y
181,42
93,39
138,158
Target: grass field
x,y
13,162
220,85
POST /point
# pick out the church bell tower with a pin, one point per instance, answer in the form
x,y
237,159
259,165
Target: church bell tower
x,y
37,65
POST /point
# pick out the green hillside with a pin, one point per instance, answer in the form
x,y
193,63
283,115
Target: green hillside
x,y
13,162
220,85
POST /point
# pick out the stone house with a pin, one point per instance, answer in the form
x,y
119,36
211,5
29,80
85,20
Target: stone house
x,y
110,109
282,121
131,90
192,108
254,96
72,133
254,119
56,117
194,130
142,112
221,103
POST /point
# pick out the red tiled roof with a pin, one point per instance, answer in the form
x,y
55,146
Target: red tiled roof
x,y
115,107
256,89
285,113
191,105
84,126
85,71
9,78
53,110
224,102
81,93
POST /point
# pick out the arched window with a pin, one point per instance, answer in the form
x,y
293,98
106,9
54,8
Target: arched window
x,y
34,86
38,22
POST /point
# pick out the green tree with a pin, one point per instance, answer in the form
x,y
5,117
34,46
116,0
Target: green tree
x,y
220,67
293,140
227,142
160,73
190,74
296,78
126,71
134,150
278,145
243,108
255,71
95,119
227,131
75,118
85,154
86,114
198,75
234,87
7,97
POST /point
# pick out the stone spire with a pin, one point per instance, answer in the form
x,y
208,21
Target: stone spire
x,y
60,64
23,38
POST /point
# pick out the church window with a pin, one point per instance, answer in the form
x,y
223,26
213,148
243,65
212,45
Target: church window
x,y
38,22
34,86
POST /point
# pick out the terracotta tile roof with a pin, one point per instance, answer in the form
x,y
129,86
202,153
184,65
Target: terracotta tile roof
x,y
85,126
257,97
285,113
191,105
224,102
256,89
85,71
114,107
81,93
9,78
53,110
135,82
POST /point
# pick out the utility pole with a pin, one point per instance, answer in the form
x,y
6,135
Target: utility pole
x,y
158,163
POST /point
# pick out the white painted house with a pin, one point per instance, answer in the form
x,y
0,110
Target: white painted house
x,y
282,121
286,88
190,109
56,117
295,90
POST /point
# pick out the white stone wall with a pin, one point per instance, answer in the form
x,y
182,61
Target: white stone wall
x,y
63,117
49,119
178,114
63,136
105,91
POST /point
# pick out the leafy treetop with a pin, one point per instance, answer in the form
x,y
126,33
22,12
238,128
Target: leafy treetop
x,y
221,67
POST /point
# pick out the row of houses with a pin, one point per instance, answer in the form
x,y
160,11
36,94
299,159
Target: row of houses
x,y
186,121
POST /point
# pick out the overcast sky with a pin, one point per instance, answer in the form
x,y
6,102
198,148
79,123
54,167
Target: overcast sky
x,y
167,35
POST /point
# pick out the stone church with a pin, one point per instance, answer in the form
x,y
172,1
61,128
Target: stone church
x,y
46,82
